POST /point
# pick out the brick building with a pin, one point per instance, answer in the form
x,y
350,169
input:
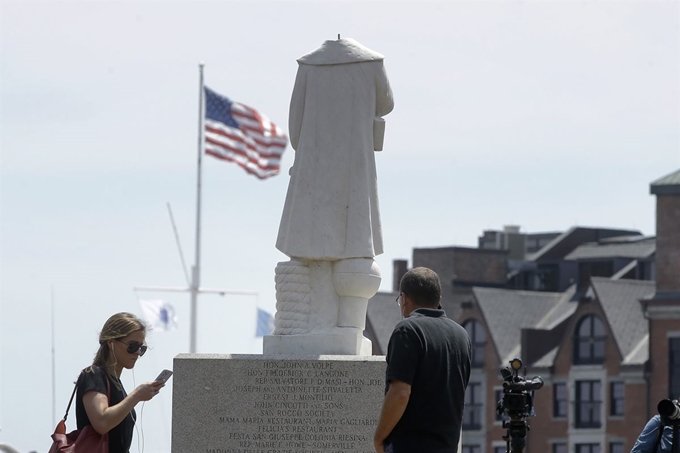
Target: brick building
x,y
602,327
663,309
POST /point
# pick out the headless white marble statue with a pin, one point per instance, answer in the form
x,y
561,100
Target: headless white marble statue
x,y
330,226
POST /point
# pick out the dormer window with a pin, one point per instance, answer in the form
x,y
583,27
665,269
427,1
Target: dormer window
x,y
478,338
589,341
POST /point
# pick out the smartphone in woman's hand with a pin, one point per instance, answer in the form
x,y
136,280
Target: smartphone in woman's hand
x,y
164,376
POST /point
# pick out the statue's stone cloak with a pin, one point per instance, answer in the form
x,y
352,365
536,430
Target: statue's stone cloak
x,y
331,209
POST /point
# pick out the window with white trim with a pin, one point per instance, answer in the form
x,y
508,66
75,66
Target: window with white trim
x,y
674,367
616,398
587,448
588,404
559,447
478,337
559,399
589,341
472,412
616,447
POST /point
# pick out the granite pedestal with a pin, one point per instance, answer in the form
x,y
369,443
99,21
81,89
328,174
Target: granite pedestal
x,y
276,404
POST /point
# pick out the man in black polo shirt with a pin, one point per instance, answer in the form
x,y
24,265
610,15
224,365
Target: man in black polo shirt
x,y
428,368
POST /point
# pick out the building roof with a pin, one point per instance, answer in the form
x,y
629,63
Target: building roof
x,y
620,300
667,185
639,354
383,314
507,311
566,242
636,249
562,310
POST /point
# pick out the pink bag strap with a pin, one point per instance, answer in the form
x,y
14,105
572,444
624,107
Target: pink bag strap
x,y
75,388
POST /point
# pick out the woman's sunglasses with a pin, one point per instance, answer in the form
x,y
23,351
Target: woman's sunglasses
x,y
134,346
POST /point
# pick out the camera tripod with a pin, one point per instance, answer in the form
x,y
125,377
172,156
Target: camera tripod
x,y
517,404
515,435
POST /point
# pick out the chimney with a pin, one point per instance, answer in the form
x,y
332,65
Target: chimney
x,y
511,229
399,268
662,310
667,265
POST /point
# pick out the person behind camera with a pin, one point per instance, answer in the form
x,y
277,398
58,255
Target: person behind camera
x,y
121,343
652,439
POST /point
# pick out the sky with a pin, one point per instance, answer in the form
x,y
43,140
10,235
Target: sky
x,y
543,114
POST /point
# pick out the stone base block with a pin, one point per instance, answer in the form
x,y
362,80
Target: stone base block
x,y
276,404
315,345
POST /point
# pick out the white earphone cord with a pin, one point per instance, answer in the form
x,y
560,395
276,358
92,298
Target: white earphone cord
x,y
139,429
132,415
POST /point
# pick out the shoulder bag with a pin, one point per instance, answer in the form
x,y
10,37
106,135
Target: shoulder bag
x,y
85,440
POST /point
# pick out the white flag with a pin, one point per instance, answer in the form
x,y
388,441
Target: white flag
x,y
159,314
265,323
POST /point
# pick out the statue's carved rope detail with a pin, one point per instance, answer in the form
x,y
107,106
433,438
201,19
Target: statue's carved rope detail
x,y
292,298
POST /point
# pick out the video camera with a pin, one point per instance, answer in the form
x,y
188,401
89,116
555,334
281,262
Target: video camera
x,y
669,409
517,404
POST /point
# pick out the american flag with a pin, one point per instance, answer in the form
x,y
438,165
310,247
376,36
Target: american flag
x,y
241,134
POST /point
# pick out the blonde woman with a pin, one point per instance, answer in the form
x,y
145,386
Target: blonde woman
x,y
121,343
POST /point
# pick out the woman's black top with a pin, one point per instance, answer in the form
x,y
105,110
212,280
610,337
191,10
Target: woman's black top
x,y
120,437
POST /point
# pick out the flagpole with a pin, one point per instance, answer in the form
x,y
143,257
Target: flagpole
x,y
196,270
54,391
